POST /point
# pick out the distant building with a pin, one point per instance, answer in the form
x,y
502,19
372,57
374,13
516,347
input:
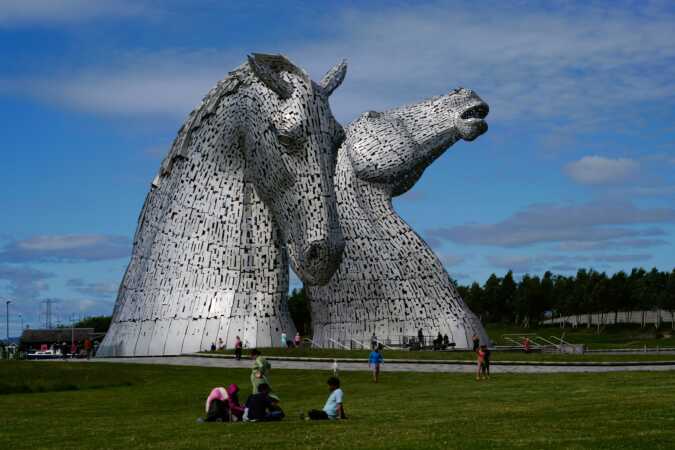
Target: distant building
x,y
33,339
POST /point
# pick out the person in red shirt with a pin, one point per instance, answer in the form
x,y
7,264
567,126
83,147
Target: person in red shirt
x,y
87,347
480,354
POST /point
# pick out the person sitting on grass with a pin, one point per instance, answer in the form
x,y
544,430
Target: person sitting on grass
x,y
333,409
263,407
222,405
374,361
276,413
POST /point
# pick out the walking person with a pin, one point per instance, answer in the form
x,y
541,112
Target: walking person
x,y
237,349
480,360
260,371
374,361
486,362
88,347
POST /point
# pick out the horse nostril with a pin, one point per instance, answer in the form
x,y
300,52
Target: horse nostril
x,y
314,252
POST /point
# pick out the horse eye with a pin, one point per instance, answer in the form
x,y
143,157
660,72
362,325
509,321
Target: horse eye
x,y
291,143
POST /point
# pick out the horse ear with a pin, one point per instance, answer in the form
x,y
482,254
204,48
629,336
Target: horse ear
x,y
264,67
333,78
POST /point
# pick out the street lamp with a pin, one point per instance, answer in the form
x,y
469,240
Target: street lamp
x,y
7,318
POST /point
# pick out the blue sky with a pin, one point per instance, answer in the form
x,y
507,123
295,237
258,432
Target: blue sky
x,y
576,169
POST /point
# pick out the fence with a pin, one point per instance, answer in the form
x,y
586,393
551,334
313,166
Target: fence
x,y
635,317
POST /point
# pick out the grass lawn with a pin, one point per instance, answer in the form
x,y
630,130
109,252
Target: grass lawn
x,y
610,336
98,405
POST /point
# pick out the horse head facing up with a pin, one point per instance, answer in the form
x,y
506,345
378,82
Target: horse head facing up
x,y
289,140
414,136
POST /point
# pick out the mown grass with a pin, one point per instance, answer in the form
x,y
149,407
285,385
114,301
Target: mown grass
x,y
609,336
28,378
406,410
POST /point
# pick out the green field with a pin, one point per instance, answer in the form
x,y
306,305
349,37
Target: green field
x,y
609,337
98,405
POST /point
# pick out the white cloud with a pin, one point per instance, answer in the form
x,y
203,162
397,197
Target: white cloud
x,y
66,248
598,170
30,12
564,263
605,221
24,282
583,65
95,289
452,260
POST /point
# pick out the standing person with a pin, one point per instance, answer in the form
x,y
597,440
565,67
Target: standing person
x,y
480,356
486,362
213,346
73,349
333,409
260,371
373,341
526,344
88,347
476,342
420,337
237,348
374,361
221,344
297,340
446,341
283,340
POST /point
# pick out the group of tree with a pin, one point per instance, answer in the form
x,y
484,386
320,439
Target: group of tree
x,y
100,324
532,298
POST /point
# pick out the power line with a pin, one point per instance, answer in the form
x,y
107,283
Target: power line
x,y
48,312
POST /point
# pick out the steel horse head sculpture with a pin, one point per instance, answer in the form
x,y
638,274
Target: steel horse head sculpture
x,y
389,281
248,178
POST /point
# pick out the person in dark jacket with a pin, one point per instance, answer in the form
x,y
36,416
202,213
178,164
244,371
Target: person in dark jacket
x,y
261,407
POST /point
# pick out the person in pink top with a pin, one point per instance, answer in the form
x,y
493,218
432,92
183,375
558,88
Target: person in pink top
x,y
222,405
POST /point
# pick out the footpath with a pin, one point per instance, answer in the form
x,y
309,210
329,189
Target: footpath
x,y
397,365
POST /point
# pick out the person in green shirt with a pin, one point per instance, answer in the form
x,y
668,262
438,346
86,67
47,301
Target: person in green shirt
x,y
260,371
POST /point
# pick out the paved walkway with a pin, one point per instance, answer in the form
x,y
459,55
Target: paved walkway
x,y
387,367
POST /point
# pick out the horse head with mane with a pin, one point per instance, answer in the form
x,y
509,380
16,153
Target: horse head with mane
x,y
403,286
247,183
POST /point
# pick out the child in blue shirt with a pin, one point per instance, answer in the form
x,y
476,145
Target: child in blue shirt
x,y
374,361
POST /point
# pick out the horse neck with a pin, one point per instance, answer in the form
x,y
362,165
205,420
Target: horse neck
x,y
202,230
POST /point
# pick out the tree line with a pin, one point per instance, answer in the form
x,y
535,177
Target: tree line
x,y
533,298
